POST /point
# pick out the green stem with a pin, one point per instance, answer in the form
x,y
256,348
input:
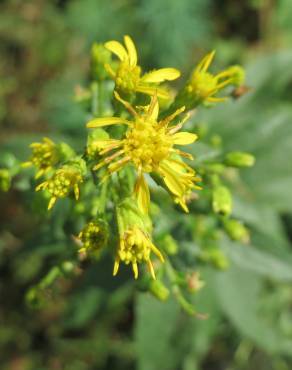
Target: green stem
x,y
103,196
94,101
100,97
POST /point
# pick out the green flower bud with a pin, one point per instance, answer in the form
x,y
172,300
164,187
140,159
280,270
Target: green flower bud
x,y
237,75
216,257
5,179
67,267
239,159
158,289
215,168
222,200
236,230
169,245
35,298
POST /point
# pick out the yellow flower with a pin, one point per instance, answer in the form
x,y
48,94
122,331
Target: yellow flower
x,y
203,85
64,181
128,76
135,245
44,156
148,144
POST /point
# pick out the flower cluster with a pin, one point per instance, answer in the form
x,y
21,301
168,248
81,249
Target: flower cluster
x,y
135,244
44,156
62,183
134,151
94,237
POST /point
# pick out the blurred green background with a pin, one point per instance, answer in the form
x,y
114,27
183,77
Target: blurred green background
x,y
94,321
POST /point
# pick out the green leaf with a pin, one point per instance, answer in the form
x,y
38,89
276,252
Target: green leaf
x,y
155,333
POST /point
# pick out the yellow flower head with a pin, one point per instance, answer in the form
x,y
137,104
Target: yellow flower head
x,y
203,85
149,145
135,245
128,76
44,156
64,181
94,236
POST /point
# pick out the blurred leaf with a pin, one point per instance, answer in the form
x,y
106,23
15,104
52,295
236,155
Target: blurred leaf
x,y
259,261
155,333
238,293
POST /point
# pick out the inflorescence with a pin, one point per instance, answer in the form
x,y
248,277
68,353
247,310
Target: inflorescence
x,y
132,147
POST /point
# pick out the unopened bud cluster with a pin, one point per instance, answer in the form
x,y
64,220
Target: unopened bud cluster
x,y
94,237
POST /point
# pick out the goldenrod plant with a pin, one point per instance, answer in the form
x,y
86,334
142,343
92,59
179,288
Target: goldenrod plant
x,y
138,163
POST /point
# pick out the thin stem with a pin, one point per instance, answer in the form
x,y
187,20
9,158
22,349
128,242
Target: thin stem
x,y
100,98
94,101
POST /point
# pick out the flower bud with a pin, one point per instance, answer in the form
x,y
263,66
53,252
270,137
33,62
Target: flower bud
x,y
169,245
237,75
94,236
64,181
216,257
47,154
44,156
215,168
35,298
222,200
158,289
236,230
239,159
5,180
